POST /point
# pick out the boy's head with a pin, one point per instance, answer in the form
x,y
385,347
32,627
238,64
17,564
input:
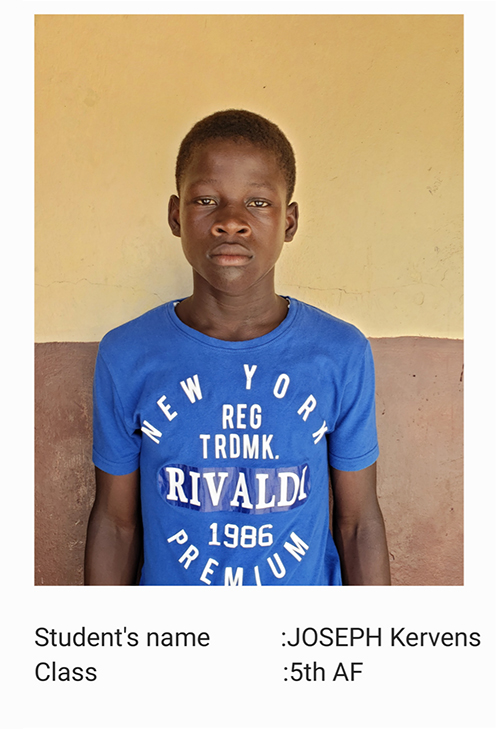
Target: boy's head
x,y
239,125
235,176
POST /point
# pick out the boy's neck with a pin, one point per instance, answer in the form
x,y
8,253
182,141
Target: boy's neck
x,y
232,317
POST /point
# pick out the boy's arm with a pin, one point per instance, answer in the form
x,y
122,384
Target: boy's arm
x,y
114,534
358,528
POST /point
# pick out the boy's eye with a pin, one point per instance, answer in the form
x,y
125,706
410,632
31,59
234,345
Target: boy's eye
x,y
205,201
258,203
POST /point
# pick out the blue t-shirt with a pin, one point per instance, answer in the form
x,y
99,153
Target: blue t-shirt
x,y
233,441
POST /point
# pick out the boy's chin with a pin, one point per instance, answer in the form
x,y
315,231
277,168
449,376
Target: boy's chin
x,y
234,281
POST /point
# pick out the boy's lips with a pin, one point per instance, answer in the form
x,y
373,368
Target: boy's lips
x,y
230,254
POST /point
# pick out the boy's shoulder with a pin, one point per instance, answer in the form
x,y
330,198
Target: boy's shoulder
x,y
319,323
136,332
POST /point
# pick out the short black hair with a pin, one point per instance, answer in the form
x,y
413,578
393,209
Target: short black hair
x,y
239,125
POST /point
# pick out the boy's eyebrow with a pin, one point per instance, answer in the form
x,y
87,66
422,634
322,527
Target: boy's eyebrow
x,y
214,181
204,181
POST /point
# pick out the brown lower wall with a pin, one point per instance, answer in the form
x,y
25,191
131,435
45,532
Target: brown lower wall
x,y
420,483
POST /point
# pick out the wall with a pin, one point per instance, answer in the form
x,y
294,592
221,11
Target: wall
x,y
373,107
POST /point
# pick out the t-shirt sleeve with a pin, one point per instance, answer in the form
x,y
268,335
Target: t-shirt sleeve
x,y
353,443
116,444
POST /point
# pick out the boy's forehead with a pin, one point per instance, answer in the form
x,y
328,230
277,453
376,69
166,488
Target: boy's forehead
x,y
217,157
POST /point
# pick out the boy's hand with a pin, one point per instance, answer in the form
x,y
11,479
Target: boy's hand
x,y
358,528
114,536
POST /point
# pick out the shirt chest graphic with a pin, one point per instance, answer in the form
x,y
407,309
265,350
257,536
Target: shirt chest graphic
x,y
246,490
235,420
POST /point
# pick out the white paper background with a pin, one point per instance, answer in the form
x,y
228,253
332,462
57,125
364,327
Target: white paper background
x,y
239,680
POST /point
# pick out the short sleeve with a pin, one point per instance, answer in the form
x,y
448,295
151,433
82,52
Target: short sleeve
x,y
116,444
353,443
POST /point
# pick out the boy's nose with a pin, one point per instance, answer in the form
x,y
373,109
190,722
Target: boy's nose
x,y
230,223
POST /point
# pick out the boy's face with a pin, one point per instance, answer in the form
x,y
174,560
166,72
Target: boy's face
x,y
232,216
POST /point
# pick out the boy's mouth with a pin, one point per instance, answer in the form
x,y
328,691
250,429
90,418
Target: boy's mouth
x,y
230,254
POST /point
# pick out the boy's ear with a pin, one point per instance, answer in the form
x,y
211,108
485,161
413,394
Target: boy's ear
x,y
173,215
292,221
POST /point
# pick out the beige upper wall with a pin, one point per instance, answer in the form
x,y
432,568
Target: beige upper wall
x,y
372,105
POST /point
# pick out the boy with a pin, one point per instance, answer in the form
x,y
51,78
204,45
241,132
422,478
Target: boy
x,y
217,417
